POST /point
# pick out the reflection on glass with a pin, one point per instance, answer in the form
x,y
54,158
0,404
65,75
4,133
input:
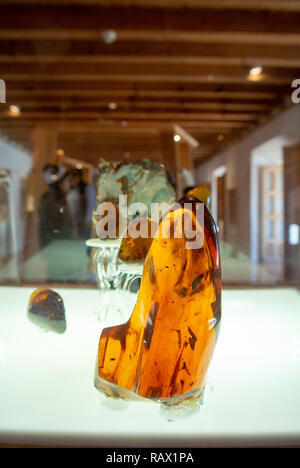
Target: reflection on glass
x,y
294,234
54,221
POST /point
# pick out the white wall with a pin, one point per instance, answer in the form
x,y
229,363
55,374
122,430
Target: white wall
x,y
239,165
18,162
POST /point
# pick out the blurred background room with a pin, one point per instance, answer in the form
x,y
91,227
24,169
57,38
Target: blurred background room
x,y
204,88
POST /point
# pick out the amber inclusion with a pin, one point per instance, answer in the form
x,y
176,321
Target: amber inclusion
x,y
46,310
163,351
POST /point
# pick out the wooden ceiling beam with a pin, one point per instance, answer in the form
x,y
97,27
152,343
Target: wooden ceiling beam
x,y
86,21
139,72
137,69
93,159
97,151
95,50
14,93
109,145
147,78
62,123
179,60
259,5
278,38
180,106
147,116
74,128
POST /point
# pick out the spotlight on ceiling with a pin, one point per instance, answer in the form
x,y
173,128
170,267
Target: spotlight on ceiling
x,y
14,111
255,73
177,138
60,152
109,36
112,105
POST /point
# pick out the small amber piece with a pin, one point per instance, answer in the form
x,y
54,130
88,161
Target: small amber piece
x,y
46,310
135,249
201,192
164,350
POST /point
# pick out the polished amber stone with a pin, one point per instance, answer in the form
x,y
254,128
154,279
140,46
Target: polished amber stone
x,y
163,351
46,310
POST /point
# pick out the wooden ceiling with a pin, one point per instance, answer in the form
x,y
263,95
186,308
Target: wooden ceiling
x,y
173,62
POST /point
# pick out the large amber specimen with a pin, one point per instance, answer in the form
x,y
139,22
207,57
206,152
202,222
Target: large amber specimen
x,y
164,350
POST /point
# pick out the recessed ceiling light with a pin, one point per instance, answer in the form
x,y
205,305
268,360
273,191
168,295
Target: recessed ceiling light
x,y
109,36
177,138
60,152
112,105
124,123
220,137
256,70
127,154
14,110
255,73
79,166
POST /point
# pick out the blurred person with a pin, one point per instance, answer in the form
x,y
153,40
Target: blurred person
x,y
76,202
81,200
4,219
55,220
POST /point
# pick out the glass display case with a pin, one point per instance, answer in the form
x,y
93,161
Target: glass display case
x,y
114,116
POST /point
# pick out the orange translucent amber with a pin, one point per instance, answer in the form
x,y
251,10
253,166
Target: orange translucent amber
x,y
163,351
136,249
201,192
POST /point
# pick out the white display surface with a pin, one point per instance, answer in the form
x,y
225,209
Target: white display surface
x,y
252,394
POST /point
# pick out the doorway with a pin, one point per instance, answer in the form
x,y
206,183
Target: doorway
x,y
219,199
272,220
292,213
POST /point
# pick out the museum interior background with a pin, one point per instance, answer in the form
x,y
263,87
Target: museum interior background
x,y
203,88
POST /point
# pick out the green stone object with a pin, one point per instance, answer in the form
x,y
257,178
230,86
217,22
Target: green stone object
x,y
144,182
